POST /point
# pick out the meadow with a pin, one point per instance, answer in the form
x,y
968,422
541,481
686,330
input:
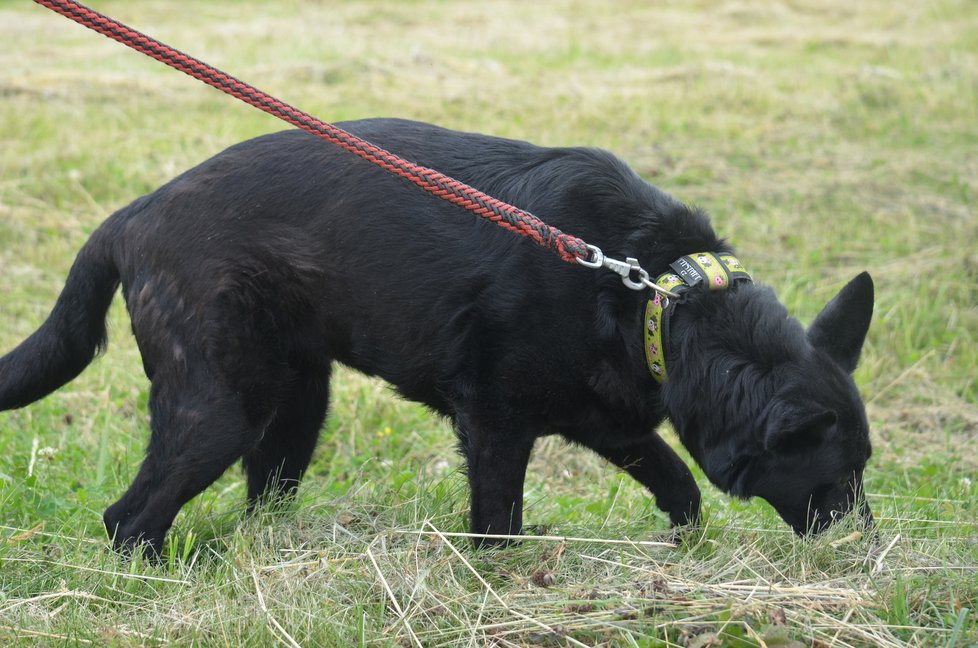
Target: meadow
x,y
824,138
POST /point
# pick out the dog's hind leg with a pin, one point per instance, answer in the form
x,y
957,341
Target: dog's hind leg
x,y
276,465
200,427
656,466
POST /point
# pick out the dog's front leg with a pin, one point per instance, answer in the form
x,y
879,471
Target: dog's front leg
x,y
655,465
496,454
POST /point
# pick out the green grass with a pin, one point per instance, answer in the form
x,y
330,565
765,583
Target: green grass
x,y
824,138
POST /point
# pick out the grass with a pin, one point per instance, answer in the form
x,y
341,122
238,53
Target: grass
x,y
824,138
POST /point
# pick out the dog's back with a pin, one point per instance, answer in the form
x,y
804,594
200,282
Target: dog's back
x,y
356,265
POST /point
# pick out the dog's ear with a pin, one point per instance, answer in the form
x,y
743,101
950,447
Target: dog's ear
x,y
840,329
794,431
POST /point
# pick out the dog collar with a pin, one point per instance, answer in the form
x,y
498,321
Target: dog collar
x,y
718,271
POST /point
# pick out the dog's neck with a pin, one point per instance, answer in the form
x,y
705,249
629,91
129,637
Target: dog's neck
x,y
718,271
727,464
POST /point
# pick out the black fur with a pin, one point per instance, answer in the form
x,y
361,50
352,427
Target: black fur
x,y
247,276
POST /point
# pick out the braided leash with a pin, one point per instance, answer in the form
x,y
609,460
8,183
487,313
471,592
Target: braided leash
x,y
569,248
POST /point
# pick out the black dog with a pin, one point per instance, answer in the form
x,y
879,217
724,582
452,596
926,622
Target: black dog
x,y
247,276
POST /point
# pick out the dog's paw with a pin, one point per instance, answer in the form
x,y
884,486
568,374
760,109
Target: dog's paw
x,y
687,515
686,534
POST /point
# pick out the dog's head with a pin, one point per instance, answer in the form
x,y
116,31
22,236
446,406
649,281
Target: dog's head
x,y
770,409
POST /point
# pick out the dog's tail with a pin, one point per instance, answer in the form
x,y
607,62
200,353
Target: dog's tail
x,y
74,331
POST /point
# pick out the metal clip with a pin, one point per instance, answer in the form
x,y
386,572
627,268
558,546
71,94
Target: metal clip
x,y
624,268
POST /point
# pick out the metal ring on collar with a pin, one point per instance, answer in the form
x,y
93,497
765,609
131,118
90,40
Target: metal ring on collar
x,y
625,268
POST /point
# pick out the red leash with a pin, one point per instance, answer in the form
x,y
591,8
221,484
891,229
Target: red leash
x,y
567,247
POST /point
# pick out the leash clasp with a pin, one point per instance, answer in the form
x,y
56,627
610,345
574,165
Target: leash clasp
x,y
626,269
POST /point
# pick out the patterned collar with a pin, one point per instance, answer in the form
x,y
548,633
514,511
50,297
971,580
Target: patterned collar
x,y
718,271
